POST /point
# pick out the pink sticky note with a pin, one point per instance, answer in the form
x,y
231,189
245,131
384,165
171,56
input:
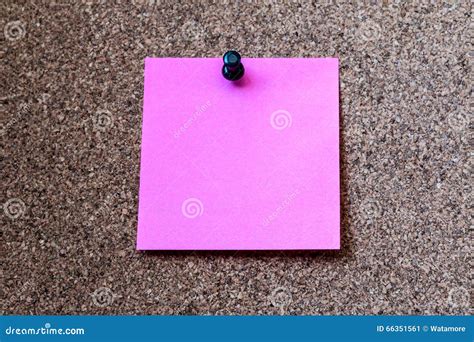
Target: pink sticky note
x,y
247,165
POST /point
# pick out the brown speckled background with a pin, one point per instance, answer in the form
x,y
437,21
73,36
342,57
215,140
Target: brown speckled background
x,y
71,97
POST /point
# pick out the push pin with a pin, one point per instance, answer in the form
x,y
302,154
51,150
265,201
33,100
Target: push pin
x,y
233,69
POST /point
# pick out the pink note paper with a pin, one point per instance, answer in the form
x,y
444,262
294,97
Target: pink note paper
x,y
247,165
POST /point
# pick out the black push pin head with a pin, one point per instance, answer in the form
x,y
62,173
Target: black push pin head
x,y
233,69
